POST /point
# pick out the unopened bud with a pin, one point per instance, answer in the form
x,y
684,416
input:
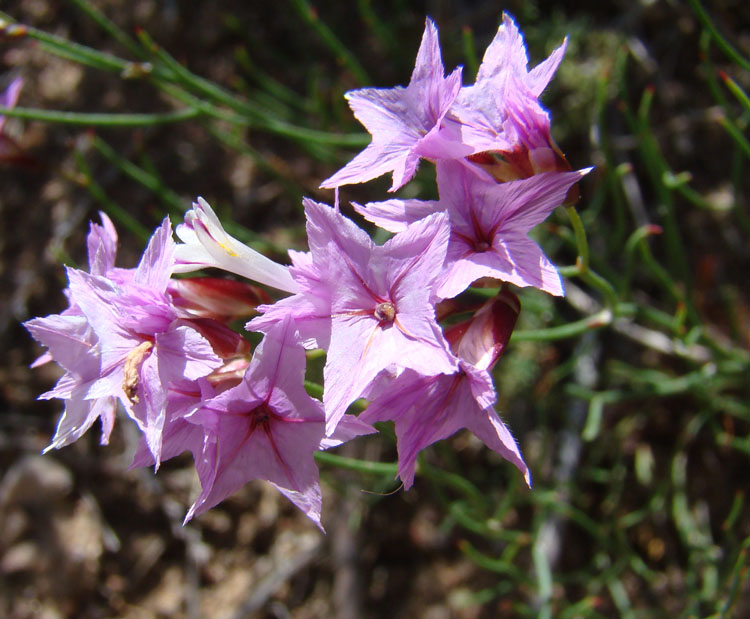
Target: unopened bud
x,y
225,342
213,297
482,339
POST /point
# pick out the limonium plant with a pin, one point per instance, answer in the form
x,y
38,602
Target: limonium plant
x,y
391,319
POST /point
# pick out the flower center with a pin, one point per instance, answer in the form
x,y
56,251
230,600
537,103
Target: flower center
x,y
385,312
481,246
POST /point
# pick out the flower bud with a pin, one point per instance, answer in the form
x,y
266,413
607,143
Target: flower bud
x,y
213,297
482,339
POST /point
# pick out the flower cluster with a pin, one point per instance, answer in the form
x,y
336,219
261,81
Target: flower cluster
x,y
389,317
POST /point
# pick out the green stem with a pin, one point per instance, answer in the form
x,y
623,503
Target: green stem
x,y
361,466
119,214
723,44
581,241
112,29
99,120
571,329
72,51
585,272
342,53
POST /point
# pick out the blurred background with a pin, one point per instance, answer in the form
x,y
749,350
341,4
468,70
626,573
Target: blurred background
x,y
630,398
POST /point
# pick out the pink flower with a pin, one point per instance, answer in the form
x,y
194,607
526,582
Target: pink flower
x,y
369,306
122,339
426,409
405,122
490,223
73,345
267,427
501,113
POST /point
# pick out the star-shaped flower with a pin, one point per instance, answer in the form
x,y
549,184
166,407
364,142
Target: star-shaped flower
x,y
489,227
141,344
370,306
427,409
501,113
405,122
267,427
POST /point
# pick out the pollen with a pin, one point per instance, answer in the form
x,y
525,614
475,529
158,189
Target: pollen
x,y
385,312
229,250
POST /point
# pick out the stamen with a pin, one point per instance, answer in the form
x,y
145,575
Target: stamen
x,y
385,312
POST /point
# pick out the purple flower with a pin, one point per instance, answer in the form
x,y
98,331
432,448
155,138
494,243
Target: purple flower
x,y
73,344
369,306
405,122
501,113
132,344
489,221
489,227
267,427
427,409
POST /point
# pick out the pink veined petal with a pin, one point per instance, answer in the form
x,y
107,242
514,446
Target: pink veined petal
x,y
396,215
79,416
489,429
540,75
155,267
505,56
530,201
405,122
102,246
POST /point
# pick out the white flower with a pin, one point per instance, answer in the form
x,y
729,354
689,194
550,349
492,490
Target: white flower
x,y
206,244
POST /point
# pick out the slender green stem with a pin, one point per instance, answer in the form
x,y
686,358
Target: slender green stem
x,y
112,29
250,114
72,51
720,41
584,271
166,71
86,119
735,133
118,213
361,466
310,16
736,90
580,233
571,329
